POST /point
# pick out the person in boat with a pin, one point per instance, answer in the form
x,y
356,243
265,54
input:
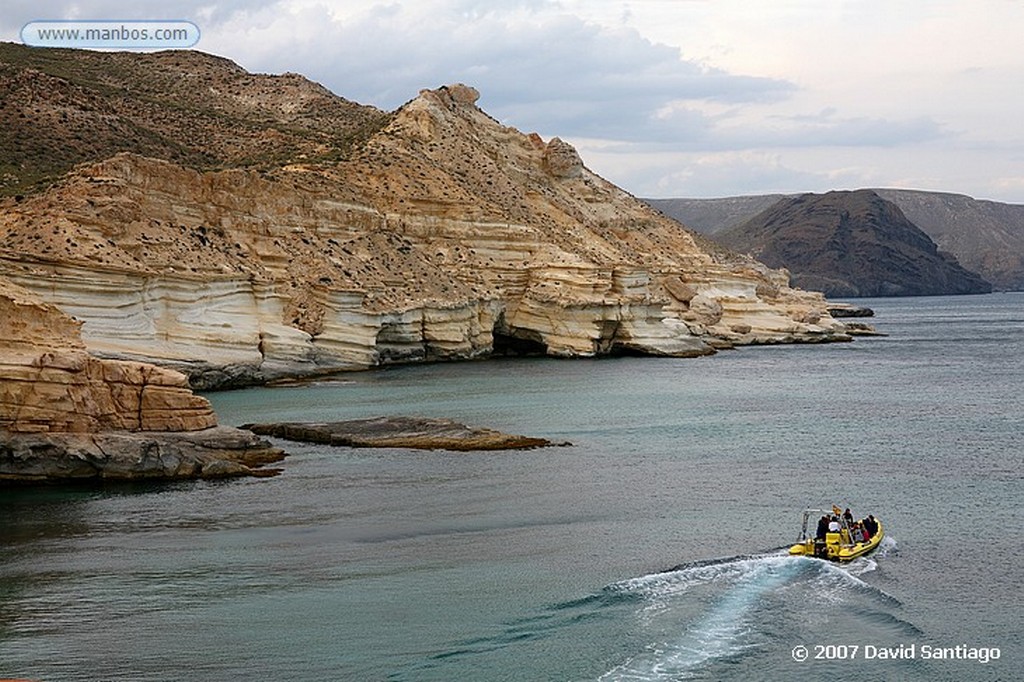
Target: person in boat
x,y
858,532
822,528
833,525
871,525
848,517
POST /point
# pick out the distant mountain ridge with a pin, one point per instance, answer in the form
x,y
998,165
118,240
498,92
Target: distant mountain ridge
x,y
986,237
850,244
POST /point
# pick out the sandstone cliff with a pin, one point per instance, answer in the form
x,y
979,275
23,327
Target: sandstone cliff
x,y
442,235
67,414
50,382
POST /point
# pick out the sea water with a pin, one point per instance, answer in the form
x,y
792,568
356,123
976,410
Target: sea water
x,y
652,549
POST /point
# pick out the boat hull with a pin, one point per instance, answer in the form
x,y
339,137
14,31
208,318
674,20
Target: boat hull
x,y
834,549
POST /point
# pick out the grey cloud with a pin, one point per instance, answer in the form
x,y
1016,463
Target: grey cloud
x,y
560,75
692,175
691,131
553,73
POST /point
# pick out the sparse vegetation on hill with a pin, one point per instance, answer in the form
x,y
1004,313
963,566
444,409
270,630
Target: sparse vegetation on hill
x,y
65,107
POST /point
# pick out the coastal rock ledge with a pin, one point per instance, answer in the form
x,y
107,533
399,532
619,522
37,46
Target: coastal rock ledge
x,y
217,452
400,432
67,415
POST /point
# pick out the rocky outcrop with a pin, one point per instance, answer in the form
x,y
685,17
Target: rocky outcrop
x,y
441,235
218,452
849,310
65,414
50,383
562,160
851,244
419,433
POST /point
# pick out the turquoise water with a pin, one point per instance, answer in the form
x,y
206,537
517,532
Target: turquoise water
x,y
650,550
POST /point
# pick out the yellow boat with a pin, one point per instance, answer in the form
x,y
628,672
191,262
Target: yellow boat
x,y
838,537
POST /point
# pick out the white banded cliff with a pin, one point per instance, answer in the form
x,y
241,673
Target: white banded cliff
x,y
65,414
441,235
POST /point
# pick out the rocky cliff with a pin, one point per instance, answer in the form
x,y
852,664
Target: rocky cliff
x,y
434,232
851,244
67,414
51,383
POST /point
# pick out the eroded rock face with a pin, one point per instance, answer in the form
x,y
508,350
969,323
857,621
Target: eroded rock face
x,y
50,383
562,160
443,231
66,415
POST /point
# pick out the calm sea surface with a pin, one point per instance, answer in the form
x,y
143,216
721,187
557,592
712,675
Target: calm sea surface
x,y
648,551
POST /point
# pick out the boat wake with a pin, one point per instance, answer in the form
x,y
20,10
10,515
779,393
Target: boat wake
x,y
698,620
723,629
716,612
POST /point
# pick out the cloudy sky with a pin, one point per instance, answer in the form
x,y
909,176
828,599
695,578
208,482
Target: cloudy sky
x,y
668,98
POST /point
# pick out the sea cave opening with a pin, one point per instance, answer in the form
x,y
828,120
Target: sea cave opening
x,y
520,344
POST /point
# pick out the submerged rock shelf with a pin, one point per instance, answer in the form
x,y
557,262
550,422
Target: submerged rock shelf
x,y
400,432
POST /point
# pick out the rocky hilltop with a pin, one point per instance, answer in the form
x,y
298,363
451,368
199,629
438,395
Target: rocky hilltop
x,y
433,232
63,107
986,237
851,244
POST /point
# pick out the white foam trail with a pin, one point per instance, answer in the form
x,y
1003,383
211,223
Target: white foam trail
x,y
720,631
723,629
887,546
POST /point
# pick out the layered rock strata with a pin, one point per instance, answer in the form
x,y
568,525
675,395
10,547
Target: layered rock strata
x,y
65,414
444,235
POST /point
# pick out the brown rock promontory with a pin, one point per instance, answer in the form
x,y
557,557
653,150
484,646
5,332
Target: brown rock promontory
x,y
65,414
